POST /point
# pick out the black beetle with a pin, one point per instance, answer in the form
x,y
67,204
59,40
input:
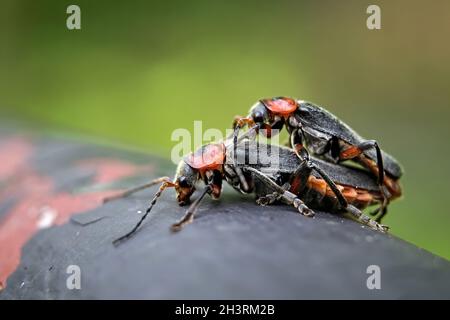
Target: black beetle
x,y
325,136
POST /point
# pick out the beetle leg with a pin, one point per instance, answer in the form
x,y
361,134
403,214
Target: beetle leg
x,y
305,167
356,151
271,197
344,203
299,177
268,199
283,194
355,212
242,180
291,199
381,213
242,121
340,197
383,207
189,215
238,123
128,192
360,216
296,143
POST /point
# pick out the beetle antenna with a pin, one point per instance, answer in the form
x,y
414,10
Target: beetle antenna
x,y
128,192
163,186
237,139
304,153
250,131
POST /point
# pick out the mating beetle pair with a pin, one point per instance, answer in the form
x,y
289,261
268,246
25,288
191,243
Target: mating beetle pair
x,y
327,137
302,183
297,178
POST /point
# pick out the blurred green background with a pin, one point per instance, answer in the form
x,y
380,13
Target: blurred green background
x,y
137,70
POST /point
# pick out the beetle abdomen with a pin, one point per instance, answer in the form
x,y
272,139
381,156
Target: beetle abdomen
x,y
320,196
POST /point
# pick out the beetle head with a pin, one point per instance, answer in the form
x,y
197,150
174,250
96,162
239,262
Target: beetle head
x,y
259,113
270,114
205,163
185,179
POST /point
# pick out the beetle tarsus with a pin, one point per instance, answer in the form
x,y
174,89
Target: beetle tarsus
x,y
366,220
268,199
189,215
303,209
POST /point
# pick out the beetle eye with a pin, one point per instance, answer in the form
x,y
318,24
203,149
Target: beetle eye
x,y
183,182
258,117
